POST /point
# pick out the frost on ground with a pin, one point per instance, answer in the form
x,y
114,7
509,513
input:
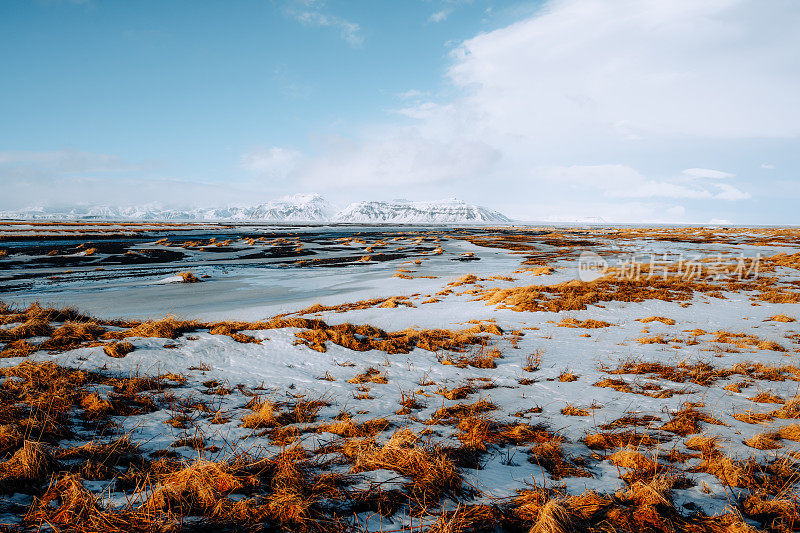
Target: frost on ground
x,y
480,384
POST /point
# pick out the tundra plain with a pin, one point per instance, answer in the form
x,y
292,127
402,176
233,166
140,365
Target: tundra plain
x,y
198,377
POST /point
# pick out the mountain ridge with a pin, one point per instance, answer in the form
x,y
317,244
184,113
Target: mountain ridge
x,y
295,208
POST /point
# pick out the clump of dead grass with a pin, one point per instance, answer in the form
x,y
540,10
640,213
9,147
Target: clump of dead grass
x,y
550,455
686,420
195,489
533,361
782,318
169,327
570,322
20,348
571,410
566,377
370,375
188,277
432,473
30,465
764,441
480,358
662,319
619,439
118,349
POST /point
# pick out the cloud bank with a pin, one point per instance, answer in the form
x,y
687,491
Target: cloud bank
x,y
599,83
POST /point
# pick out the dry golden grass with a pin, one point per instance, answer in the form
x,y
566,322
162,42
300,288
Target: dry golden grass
x,y
231,330
619,439
658,339
631,420
265,415
352,306
766,397
20,348
686,420
169,327
316,334
571,410
188,277
451,413
118,349
32,327
702,443
533,362
194,490
347,427
32,463
570,322
480,358
370,375
71,335
466,279
432,473
646,389
790,432
662,319
553,517
782,318
466,518
702,373
763,441
632,459
577,295
456,393
566,377
751,417
409,402
770,345
551,457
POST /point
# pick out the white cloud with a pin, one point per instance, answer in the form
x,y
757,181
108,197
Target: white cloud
x,y
277,163
605,81
707,173
616,80
622,181
402,159
411,94
633,69
599,212
730,193
439,16
349,31
767,166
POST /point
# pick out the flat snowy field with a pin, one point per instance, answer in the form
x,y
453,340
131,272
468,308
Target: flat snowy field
x,y
676,369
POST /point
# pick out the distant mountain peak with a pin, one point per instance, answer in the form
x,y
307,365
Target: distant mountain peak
x,y
450,210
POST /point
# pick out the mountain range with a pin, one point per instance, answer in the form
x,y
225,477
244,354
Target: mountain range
x,y
296,208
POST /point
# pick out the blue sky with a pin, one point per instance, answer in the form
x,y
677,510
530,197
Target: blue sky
x,y
551,110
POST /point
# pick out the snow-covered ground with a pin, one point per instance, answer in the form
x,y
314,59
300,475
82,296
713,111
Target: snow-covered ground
x,y
280,368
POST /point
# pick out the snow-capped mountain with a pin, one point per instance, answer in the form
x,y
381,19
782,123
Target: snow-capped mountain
x,y
406,212
297,208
